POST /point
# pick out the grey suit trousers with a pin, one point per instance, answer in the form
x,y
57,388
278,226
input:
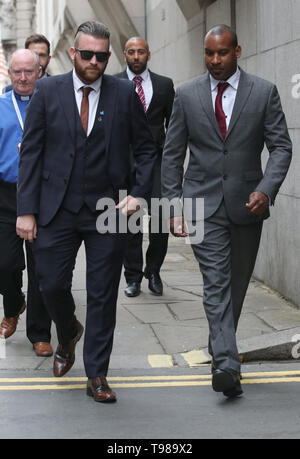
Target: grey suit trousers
x,y
226,257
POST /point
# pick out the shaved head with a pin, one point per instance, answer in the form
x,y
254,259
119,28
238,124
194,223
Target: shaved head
x,y
222,29
137,54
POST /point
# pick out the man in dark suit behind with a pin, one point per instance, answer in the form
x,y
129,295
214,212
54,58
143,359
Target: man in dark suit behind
x,y
79,126
157,95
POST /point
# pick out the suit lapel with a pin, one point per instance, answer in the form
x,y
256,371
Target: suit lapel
x,y
66,94
155,86
106,106
204,92
243,93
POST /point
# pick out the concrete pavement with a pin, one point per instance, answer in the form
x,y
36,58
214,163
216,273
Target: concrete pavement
x,y
171,331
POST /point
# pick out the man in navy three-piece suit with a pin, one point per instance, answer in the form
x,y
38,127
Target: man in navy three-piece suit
x,y
79,131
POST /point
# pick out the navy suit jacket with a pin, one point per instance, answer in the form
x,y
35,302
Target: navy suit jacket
x,y
160,108
49,142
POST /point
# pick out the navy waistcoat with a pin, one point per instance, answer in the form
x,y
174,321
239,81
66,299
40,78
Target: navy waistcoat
x,y
89,179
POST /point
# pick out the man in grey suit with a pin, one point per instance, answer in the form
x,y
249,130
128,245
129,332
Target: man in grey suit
x,y
225,118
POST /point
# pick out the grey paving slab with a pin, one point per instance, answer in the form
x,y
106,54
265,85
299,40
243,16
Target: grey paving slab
x,y
251,325
151,314
136,340
281,319
176,278
183,337
187,310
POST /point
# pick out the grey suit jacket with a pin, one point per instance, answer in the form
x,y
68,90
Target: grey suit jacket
x,y
230,168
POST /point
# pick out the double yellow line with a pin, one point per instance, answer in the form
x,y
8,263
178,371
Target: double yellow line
x,y
133,382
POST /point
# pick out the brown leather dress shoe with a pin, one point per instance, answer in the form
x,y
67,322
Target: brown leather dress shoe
x,y
100,390
64,357
43,349
9,324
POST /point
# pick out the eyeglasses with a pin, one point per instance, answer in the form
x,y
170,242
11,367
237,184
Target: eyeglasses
x,y
87,55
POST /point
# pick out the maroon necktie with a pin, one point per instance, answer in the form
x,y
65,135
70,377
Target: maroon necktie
x,y
220,115
84,111
141,93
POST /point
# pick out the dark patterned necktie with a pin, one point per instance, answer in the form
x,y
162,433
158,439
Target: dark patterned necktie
x,y
141,93
84,111
220,115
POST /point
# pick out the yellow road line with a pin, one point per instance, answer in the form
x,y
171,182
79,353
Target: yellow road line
x,y
111,378
146,378
273,373
65,383
49,387
271,380
43,387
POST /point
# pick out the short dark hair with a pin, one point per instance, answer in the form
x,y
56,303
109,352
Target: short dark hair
x,y
94,28
37,38
221,29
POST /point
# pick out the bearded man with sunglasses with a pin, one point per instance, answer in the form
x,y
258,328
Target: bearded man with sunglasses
x,y
78,134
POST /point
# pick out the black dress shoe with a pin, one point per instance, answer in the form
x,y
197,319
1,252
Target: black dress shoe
x,y
64,357
133,289
226,382
236,391
214,367
155,283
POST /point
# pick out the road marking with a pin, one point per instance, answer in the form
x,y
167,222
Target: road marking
x,y
160,361
195,358
49,387
128,382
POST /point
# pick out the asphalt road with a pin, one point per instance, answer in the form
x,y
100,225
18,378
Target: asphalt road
x,y
159,404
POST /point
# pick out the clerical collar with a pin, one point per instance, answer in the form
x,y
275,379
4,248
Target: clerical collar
x,y
22,98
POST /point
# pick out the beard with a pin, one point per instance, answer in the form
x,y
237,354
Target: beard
x,y
88,74
137,68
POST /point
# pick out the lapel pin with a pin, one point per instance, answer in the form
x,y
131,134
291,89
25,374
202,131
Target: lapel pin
x,y
101,115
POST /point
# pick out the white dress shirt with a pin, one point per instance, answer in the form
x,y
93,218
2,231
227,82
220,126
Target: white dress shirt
x,y
93,97
146,84
229,95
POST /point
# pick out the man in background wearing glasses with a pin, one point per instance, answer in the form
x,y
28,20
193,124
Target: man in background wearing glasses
x,y
75,150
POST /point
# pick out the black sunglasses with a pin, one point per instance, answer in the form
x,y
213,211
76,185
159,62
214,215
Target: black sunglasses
x,y
87,55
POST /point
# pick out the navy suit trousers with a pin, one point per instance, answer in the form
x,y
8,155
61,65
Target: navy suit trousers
x,y
55,252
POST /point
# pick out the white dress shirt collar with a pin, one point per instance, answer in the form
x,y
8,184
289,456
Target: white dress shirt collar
x,y
233,80
145,75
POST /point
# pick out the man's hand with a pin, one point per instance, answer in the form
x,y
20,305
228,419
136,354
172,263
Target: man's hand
x,y
258,203
129,205
26,227
177,227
